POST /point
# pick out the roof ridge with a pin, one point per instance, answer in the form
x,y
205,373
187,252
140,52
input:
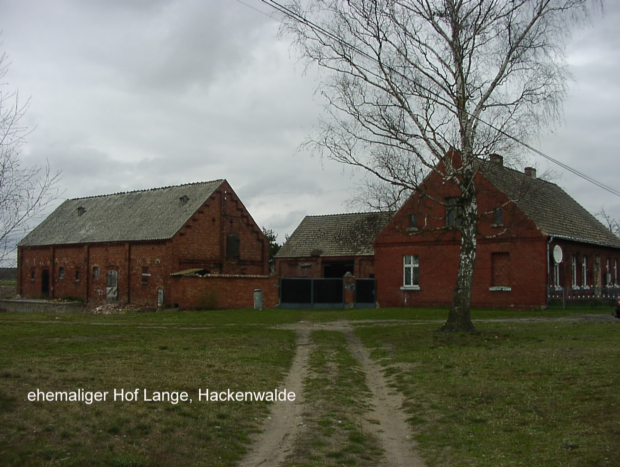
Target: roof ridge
x,y
350,213
519,172
146,190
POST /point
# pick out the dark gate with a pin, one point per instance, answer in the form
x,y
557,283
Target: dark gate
x,y
365,293
311,293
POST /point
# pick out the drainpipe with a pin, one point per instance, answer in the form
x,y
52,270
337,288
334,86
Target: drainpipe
x,y
548,270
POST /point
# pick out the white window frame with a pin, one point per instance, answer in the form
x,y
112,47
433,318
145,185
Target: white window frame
x,y
556,276
584,279
616,273
411,263
574,269
608,281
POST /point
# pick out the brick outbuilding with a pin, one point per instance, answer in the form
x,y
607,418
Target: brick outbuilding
x,y
330,246
124,247
536,244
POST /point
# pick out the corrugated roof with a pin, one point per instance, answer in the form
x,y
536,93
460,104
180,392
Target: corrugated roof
x,y
335,235
549,206
155,214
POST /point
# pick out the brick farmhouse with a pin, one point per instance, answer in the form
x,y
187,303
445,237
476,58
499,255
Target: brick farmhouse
x,y
535,244
149,248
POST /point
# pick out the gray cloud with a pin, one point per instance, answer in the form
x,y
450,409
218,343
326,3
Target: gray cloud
x,y
130,94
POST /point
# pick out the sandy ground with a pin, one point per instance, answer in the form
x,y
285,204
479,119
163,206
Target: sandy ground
x,y
389,423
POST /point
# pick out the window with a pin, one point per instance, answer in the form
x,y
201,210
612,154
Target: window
x,y
232,247
500,264
77,276
574,271
32,275
411,272
556,275
498,217
608,281
95,272
413,222
61,272
584,272
145,275
453,212
616,273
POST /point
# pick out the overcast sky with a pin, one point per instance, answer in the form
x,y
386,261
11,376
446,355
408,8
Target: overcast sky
x,y
137,94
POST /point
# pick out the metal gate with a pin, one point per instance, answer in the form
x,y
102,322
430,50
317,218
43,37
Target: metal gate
x,y
365,296
311,293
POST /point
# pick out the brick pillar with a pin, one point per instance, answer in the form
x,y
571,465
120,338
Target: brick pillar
x,y
349,290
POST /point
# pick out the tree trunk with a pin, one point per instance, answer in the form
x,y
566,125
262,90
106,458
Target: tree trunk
x,y
459,318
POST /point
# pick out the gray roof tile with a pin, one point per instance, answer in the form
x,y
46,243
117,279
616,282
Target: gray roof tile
x,y
155,214
335,235
549,206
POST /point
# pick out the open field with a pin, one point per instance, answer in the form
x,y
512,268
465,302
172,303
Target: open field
x,y
532,388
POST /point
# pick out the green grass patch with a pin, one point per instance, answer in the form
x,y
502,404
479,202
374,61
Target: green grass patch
x,y
513,394
434,314
338,396
103,353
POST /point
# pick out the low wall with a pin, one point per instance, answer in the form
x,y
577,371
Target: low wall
x,y
41,306
219,291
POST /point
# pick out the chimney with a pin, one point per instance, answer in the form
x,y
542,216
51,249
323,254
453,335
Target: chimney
x,y
496,159
530,172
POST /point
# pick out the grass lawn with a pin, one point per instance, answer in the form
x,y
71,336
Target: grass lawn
x,y
517,393
103,353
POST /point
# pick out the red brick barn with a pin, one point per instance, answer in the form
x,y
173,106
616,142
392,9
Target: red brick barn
x,y
332,245
124,247
524,220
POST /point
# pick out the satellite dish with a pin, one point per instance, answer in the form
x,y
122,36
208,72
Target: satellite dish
x,y
557,254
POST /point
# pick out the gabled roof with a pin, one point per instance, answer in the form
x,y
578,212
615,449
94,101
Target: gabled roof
x,y
549,206
335,235
155,214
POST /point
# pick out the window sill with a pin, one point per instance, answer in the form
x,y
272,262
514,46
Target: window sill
x,y
500,288
497,226
412,229
410,287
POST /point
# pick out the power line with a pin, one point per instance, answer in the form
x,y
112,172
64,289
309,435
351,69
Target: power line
x,y
320,30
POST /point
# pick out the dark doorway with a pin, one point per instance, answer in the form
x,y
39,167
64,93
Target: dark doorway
x,y
112,286
337,269
45,283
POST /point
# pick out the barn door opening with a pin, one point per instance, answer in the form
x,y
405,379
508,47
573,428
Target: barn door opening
x,y
112,287
45,283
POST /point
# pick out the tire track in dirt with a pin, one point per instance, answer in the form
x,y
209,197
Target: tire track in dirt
x,y
283,427
392,429
386,421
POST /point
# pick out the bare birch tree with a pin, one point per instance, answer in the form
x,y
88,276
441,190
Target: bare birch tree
x,y
409,80
24,191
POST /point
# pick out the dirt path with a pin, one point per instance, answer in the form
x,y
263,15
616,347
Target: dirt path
x,y
386,421
392,430
281,430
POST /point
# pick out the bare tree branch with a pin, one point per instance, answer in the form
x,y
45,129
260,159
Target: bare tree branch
x,y
409,81
24,191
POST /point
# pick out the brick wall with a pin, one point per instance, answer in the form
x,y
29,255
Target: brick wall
x,y
523,245
223,291
201,243
597,260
